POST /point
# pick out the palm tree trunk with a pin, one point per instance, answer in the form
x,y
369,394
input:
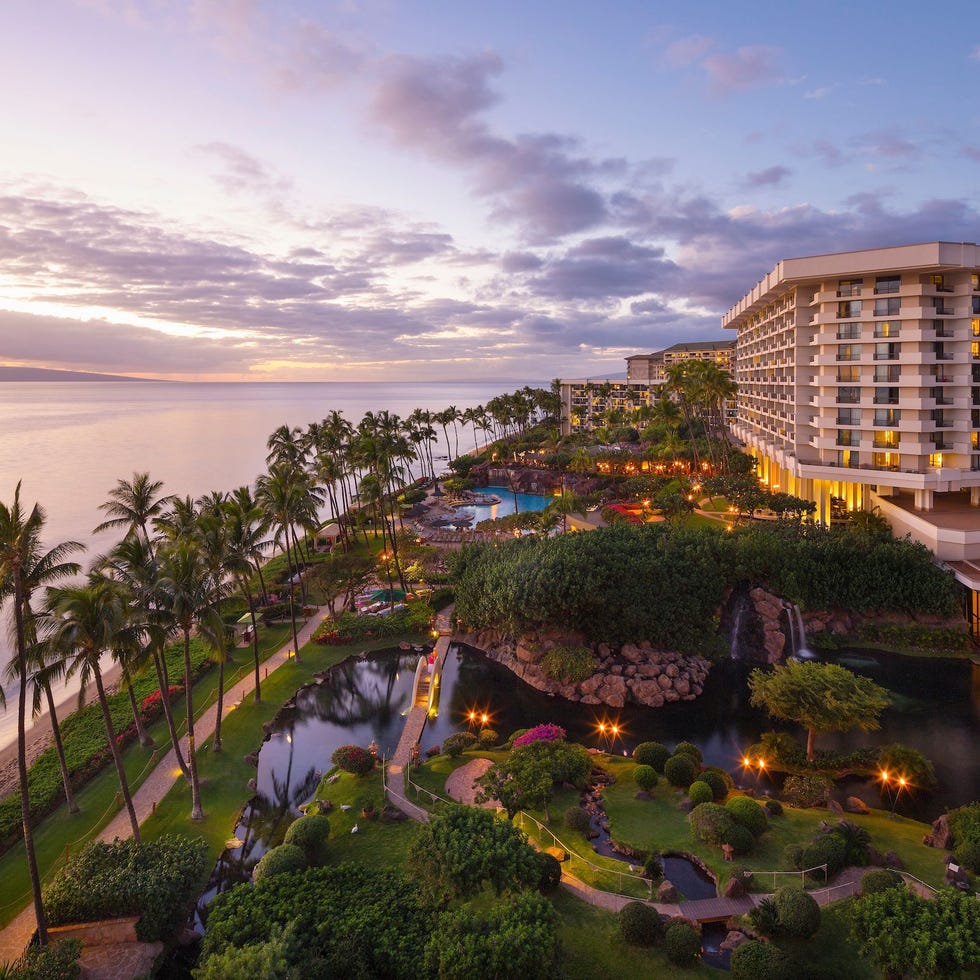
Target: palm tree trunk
x,y
144,736
60,749
255,638
292,605
220,707
163,682
196,812
116,756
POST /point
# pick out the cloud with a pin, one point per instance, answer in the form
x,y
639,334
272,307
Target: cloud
x,y
241,171
688,50
770,177
747,67
819,93
975,54
889,143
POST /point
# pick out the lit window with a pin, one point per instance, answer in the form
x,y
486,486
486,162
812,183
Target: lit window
x,y
975,327
935,459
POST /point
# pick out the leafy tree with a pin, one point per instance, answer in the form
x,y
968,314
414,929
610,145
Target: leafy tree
x,y
821,697
521,784
904,934
909,763
514,940
462,848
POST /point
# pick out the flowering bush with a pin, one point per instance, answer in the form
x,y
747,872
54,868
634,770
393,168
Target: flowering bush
x,y
541,733
152,705
353,759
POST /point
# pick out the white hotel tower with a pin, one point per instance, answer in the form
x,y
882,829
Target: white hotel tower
x,y
859,385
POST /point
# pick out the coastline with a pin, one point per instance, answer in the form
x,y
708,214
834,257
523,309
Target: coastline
x,y
39,735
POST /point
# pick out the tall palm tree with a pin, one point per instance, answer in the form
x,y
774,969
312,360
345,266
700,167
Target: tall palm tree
x,y
133,505
23,567
192,597
87,621
681,383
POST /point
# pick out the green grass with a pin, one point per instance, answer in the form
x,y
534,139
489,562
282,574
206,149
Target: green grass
x,y
659,824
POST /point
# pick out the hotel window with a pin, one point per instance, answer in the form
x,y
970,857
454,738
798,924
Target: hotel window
x,y
849,374
848,309
975,440
935,459
888,284
888,307
975,350
889,372
939,281
975,300
847,437
975,281
885,461
885,396
849,287
849,396
887,328
975,327
939,349
886,440
848,331
847,457
849,352
888,416
886,352
849,416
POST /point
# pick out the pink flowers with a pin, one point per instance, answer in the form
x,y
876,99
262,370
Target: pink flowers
x,y
541,733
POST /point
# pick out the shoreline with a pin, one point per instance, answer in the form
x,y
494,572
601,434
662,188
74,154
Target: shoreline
x,y
39,735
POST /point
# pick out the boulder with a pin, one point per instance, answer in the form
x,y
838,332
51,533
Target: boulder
x,y
632,653
892,860
733,940
942,836
682,686
853,805
665,682
667,893
613,691
734,888
835,807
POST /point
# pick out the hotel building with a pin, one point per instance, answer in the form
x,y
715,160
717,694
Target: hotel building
x,y
858,380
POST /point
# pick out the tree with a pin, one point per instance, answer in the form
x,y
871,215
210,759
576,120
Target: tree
x,y
87,620
23,567
133,505
907,935
821,697
462,848
522,785
900,761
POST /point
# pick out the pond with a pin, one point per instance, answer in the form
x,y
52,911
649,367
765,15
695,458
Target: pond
x,y
525,502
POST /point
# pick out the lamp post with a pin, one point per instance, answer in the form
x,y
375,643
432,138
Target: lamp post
x,y
888,780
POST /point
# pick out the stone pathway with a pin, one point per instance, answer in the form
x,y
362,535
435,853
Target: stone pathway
x,y
15,937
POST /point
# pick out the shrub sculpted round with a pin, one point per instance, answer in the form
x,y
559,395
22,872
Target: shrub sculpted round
x,y
284,859
576,818
716,780
639,924
749,814
774,808
310,835
353,759
700,792
680,770
880,880
760,961
645,777
458,743
830,849
683,944
651,754
799,914
488,738
689,748
740,839
710,823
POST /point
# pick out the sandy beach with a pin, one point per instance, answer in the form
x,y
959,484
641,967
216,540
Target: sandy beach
x,y
39,735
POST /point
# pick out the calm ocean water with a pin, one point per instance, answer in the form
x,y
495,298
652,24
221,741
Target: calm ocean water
x,y
69,442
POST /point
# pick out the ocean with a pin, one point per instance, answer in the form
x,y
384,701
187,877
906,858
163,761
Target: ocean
x,y
69,442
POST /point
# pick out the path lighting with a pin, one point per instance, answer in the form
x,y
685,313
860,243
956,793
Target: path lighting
x,y
893,784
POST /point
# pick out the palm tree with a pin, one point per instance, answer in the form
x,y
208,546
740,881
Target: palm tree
x,y
192,598
681,383
133,505
87,620
23,567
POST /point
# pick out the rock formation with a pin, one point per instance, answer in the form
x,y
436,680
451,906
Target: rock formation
x,y
635,673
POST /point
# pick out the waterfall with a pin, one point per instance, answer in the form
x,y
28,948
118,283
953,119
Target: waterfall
x,y
740,608
797,634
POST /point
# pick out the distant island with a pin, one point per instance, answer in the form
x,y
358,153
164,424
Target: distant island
x,y
9,373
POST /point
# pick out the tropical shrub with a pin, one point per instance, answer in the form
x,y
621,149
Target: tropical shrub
x,y
651,754
156,880
799,914
680,770
881,879
720,782
577,818
353,759
765,917
968,855
740,839
700,792
56,961
568,664
645,777
689,748
639,924
761,961
488,738
683,944
281,860
710,823
807,790
856,842
829,849
458,743
310,833
540,733
653,867
964,823
749,814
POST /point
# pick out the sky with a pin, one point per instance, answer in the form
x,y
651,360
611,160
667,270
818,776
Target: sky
x,y
369,189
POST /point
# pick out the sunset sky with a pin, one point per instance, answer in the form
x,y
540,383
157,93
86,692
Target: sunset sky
x,y
359,190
